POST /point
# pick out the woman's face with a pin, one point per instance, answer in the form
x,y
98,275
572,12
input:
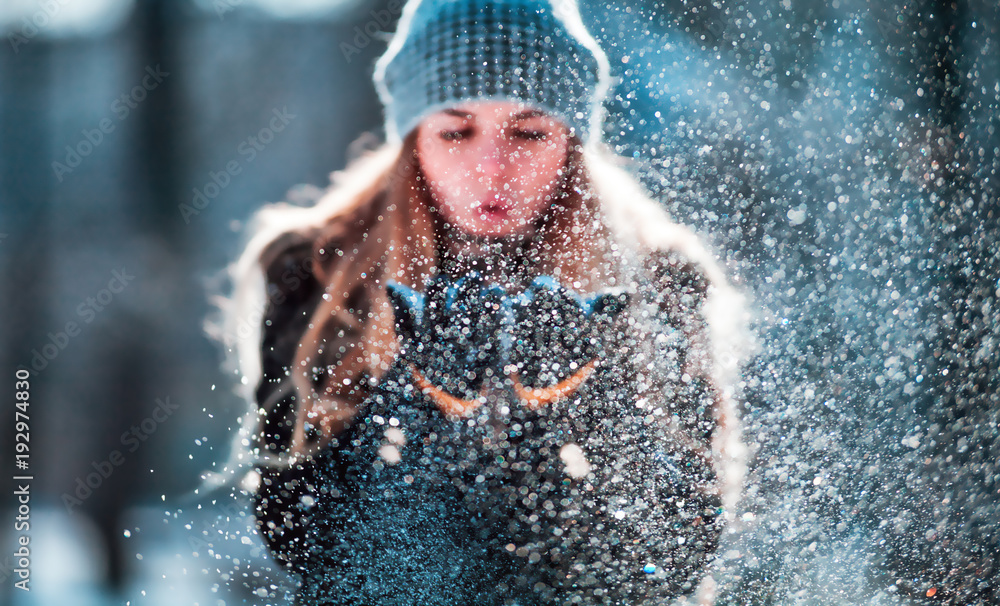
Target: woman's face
x,y
492,167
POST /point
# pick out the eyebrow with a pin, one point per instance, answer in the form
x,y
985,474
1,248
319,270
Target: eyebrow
x,y
459,114
529,113
524,115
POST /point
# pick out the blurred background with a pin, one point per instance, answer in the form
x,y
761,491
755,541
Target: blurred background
x,y
841,156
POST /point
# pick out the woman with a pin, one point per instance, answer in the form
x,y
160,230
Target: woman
x,y
489,369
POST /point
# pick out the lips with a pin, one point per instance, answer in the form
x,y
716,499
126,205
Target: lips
x,y
494,207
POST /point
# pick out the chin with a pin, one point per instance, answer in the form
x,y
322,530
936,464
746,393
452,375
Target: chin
x,y
487,228
492,232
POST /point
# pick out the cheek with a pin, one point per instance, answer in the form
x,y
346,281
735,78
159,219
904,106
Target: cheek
x,y
451,198
452,210
443,178
536,206
451,193
448,174
543,175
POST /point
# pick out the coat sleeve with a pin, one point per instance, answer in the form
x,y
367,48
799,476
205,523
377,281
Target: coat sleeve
x,y
660,478
292,296
691,391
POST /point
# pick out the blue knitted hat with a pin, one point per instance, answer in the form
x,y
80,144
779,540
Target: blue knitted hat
x,y
537,52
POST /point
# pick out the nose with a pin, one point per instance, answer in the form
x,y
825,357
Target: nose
x,y
492,156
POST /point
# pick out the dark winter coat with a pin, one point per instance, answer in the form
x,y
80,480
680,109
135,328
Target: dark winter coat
x,y
408,506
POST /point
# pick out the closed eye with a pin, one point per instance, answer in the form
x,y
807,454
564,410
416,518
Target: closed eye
x,y
455,135
531,135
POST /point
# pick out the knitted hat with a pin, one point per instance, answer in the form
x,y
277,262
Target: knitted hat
x,y
537,52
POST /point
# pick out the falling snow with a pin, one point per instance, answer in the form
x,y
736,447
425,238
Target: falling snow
x,y
842,158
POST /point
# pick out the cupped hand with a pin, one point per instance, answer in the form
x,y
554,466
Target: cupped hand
x,y
463,338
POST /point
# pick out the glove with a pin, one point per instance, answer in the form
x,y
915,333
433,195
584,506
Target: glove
x,y
558,337
449,336
462,337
